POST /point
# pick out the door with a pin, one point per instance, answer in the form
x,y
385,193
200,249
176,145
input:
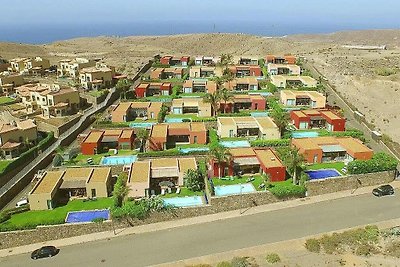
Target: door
x,y
316,158
93,192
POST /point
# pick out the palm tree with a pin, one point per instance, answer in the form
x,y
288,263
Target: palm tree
x,y
293,161
281,118
225,95
226,60
123,86
220,155
143,135
213,99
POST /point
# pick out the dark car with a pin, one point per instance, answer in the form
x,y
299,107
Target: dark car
x,y
383,190
45,252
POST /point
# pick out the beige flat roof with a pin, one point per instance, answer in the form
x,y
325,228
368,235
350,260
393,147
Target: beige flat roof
x,y
265,122
268,158
164,162
100,175
93,137
113,132
140,172
187,164
242,152
73,174
126,134
198,126
330,115
159,130
48,182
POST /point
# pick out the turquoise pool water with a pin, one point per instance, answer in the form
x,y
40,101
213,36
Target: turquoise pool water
x,y
192,149
174,119
118,160
226,190
184,201
259,114
234,144
304,134
141,124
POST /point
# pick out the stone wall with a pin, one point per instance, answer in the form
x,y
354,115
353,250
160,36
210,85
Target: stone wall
x,y
57,130
330,185
219,204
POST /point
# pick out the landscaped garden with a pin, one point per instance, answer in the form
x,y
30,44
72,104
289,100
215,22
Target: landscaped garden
x,y
6,100
328,165
258,179
184,192
82,160
31,219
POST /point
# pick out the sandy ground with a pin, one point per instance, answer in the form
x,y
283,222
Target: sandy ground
x,y
353,72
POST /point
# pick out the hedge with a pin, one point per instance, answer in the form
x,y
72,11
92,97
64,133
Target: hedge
x,y
270,143
29,155
287,189
380,162
204,119
169,152
350,133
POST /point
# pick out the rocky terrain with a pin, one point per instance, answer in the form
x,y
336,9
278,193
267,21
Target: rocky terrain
x,y
368,79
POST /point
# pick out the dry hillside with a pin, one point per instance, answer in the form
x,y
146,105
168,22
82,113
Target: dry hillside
x,y
356,74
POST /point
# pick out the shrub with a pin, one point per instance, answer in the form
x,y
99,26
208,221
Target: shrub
x,y
199,119
384,71
194,180
313,245
379,162
365,250
98,220
4,216
273,258
224,264
393,249
240,262
163,112
17,210
287,189
270,143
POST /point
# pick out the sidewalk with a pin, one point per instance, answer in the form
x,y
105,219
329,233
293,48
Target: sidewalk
x,y
190,221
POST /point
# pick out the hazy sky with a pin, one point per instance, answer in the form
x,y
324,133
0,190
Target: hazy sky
x,y
23,18
360,12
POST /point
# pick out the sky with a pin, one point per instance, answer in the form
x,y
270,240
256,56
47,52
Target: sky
x,y
121,17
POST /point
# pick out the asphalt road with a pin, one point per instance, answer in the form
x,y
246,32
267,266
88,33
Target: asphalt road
x,y
208,238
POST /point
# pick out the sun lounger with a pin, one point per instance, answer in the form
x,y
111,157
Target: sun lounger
x,y
261,185
225,178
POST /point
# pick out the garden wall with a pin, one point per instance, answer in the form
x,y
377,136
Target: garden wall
x,y
331,185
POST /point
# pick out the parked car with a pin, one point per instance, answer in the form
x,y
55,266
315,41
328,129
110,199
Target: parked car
x,y
44,252
383,190
22,202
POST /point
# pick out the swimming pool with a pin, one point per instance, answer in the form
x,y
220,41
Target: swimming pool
x,y
184,201
86,216
304,134
141,124
193,149
259,114
169,120
234,144
118,160
236,189
321,174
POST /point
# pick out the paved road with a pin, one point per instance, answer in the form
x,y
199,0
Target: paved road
x,y
203,239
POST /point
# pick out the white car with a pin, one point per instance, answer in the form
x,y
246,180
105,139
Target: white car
x,y
22,202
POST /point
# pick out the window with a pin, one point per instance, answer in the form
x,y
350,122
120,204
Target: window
x,y
93,192
230,133
195,139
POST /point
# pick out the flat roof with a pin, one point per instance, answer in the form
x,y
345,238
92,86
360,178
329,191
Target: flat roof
x,y
48,182
159,130
93,137
140,172
187,164
331,115
77,174
268,158
127,133
164,162
242,152
100,175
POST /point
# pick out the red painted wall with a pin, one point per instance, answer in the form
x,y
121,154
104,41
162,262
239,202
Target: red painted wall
x,y
88,148
201,137
260,103
255,71
140,92
165,60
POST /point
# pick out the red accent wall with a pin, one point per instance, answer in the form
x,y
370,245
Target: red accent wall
x,y
339,125
277,174
260,103
222,166
255,71
140,92
88,148
201,137
165,60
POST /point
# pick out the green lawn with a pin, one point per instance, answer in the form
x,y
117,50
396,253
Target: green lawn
x,y
185,192
30,219
243,180
191,146
193,94
329,165
4,164
98,93
81,160
6,100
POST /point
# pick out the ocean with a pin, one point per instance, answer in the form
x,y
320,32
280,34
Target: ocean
x,y
42,34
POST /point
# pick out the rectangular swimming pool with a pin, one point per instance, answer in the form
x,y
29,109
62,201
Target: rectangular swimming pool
x,y
184,201
236,189
304,134
141,124
259,114
234,144
169,120
193,149
86,216
321,174
118,160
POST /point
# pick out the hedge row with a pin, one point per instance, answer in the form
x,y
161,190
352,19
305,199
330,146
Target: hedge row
x,y
270,143
287,189
380,162
204,119
169,153
29,155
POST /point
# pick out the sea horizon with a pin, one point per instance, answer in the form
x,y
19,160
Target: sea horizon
x,y
45,34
